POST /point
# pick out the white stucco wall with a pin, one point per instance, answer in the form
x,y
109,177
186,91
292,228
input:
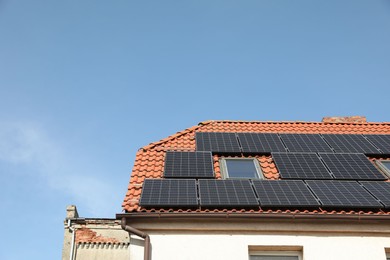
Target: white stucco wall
x,y
195,247
231,241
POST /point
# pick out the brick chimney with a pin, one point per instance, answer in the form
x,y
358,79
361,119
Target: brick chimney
x,y
344,119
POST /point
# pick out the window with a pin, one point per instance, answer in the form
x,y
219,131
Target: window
x,y
387,251
275,252
273,257
240,168
384,166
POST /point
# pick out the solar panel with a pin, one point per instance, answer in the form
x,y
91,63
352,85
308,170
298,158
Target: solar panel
x,y
350,144
227,193
300,166
353,166
169,193
217,142
380,141
284,193
305,143
188,165
343,194
380,189
260,142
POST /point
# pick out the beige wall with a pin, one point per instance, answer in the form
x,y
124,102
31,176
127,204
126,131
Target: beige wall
x,y
92,251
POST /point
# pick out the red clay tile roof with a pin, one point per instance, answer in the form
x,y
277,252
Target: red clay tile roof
x,y
149,161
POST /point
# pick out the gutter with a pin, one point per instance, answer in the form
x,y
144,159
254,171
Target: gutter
x,y
139,233
237,215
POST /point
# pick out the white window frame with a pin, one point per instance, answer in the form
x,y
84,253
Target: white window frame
x,y
225,171
383,168
276,253
278,250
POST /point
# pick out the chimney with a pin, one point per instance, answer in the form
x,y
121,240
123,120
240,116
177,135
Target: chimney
x,y
71,212
344,119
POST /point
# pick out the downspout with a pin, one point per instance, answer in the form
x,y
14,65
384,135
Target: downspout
x,y
139,233
72,229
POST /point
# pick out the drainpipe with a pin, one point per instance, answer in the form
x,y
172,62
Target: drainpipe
x,y
71,229
139,233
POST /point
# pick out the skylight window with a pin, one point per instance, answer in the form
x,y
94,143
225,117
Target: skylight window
x,y
240,168
384,166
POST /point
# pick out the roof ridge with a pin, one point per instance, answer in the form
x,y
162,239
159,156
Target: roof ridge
x,y
208,122
291,121
177,134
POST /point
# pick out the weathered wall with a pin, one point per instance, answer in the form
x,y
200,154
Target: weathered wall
x,y
94,239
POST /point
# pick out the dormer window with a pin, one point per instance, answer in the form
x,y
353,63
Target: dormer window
x,y
241,168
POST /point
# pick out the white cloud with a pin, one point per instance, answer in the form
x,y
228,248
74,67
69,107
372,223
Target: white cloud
x,y
28,144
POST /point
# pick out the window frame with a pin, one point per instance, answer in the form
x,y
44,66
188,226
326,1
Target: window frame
x,y
276,253
278,250
383,168
225,171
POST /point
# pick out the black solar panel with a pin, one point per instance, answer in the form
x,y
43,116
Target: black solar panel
x,y
217,142
350,144
169,193
305,143
380,141
188,165
227,193
380,189
260,142
284,193
342,194
300,166
354,166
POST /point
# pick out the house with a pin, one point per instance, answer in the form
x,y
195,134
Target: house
x,y
251,190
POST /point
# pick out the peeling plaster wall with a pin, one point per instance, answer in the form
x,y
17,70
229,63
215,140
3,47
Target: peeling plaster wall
x,y
96,239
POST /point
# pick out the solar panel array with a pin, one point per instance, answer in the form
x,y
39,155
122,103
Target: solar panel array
x,y
217,142
352,166
289,193
342,194
173,193
380,141
328,170
273,142
226,193
381,190
169,193
300,166
350,144
305,143
260,142
188,165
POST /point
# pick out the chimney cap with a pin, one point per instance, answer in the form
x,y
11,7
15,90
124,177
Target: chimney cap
x,y
344,119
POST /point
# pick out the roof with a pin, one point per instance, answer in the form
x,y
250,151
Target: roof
x,y
149,161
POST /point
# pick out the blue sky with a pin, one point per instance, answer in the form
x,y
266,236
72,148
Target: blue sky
x,y
84,84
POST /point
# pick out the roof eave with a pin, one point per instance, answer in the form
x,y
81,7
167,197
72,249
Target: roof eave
x,y
236,215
